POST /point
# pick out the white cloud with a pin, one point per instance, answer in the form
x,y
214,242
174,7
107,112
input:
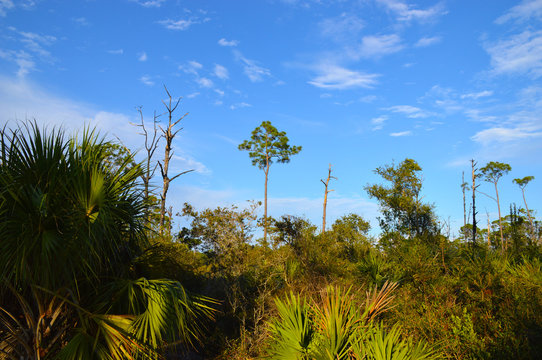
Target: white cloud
x,y
338,78
240,105
21,99
219,92
520,53
150,3
181,24
192,67
35,43
185,162
378,45
224,42
402,133
524,11
428,41
502,135
410,111
221,72
204,82
193,95
116,52
341,27
142,56
147,80
378,122
5,5
254,72
368,99
477,95
21,58
195,64
82,21
407,13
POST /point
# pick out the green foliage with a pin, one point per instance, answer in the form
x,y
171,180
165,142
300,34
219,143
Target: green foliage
x,y
404,215
72,229
293,328
523,182
494,170
333,327
267,144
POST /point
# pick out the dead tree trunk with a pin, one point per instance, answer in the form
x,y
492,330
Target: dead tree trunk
x,y
151,144
464,188
326,191
169,134
473,164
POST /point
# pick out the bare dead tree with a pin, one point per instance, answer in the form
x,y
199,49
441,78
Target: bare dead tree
x,y
464,188
474,212
152,138
168,134
326,191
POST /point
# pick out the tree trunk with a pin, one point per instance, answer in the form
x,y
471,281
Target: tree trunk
x,y
473,203
528,214
488,234
265,206
326,191
500,221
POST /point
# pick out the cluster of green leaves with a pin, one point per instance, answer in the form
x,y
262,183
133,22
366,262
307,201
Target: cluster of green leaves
x,y
335,327
72,237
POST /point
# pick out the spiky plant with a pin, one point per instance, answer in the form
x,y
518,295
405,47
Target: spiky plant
x,y
334,327
71,227
293,330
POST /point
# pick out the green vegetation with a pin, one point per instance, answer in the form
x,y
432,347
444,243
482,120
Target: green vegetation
x,y
86,273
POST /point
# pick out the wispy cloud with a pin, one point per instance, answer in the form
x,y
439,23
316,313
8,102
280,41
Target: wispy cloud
x,y
224,42
116,51
402,133
520,53
147,80
374,46
183,162
21,58
502,134
240,105
81,21
150,3
221,72
5,5
428,41
142,57
477,95
252,70
205,82
378,122
410,111
406,13
342,27
521,12
191,67
181,24
335,77
35,43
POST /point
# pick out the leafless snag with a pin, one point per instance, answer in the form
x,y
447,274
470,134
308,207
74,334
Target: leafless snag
x,y
168,134
326,191
474,212
151,144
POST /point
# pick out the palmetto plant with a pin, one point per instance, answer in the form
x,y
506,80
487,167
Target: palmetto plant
x,y
71,230
333,327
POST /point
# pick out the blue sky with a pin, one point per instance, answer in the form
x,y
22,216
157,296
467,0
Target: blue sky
x,y
358,84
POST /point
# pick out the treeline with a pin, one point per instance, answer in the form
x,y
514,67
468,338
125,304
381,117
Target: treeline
x,y
91,267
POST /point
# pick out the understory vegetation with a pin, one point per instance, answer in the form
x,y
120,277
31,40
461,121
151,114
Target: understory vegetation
x,y
91,268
